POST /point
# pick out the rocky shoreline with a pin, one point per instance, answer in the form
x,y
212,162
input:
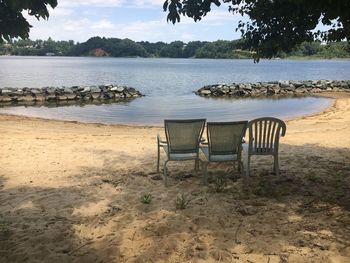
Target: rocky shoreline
x,y
70,95
274,88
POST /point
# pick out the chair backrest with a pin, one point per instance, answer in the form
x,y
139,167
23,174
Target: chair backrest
x,y
264,135
183,136
225,138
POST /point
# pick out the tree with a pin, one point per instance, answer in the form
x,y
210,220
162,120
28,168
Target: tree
x,y
191,48
13,23
274,25
173,50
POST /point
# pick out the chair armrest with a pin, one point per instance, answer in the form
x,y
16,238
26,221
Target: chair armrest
x,y
160,141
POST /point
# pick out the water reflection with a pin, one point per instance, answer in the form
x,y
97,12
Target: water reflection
x,y
153,110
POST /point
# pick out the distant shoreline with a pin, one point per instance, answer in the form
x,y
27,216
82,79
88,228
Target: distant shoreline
x,y
264,59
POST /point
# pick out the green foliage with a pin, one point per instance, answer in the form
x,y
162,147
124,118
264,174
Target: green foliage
x,y
191,48
36,48
5,231
182,201
12,22
173,50
223,49
146,199
115,47
153,49
274,26
220,184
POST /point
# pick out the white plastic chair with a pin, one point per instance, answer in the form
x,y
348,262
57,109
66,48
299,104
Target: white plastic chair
x,y
264,136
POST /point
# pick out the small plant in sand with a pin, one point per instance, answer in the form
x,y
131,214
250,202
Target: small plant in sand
x,y
220,184
146,199
5,231
182,201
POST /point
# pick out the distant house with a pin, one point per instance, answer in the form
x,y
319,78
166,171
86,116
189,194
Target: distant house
x,y
50,54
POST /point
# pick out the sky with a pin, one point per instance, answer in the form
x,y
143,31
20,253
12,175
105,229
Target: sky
x,y
138,20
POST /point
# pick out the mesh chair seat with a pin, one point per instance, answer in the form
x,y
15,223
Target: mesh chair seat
x,y
219,157
179,156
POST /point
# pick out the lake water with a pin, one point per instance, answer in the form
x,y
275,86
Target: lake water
x,y
168,85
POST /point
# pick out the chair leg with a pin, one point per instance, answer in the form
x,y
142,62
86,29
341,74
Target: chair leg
x,y
196,165
248,167
241,167
165,173
158,159
204,171
276,164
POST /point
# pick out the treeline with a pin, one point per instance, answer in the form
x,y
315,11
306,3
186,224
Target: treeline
x,y
115,47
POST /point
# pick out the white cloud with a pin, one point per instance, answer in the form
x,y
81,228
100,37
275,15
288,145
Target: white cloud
x,y
112,3
103,24
80,23
76,25
60,11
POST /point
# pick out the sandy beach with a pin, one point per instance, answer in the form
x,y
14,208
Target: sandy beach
x,y
70,192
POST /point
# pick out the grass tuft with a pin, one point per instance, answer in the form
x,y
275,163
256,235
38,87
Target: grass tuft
x,y
182,201
146,199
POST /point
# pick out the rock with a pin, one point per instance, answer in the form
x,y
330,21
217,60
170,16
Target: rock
x,y
51,91
68,94
71,96
274,88
87,97
27,98
6,92
297,84
95,96
95,90
119,95
36,91
68,91
205,92
109,95
51,97
118,89
284,84
5,98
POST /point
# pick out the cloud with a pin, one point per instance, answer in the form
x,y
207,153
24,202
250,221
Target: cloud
x,y
112,3
78,21
60,11
103,24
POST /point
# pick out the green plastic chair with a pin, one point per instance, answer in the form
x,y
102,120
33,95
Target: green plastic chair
x,y
264,136
182,142
224,144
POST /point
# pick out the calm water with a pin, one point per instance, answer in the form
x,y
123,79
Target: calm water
x,y
168,85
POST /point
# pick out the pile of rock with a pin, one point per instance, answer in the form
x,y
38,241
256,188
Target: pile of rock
x,y
274,88
75,93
